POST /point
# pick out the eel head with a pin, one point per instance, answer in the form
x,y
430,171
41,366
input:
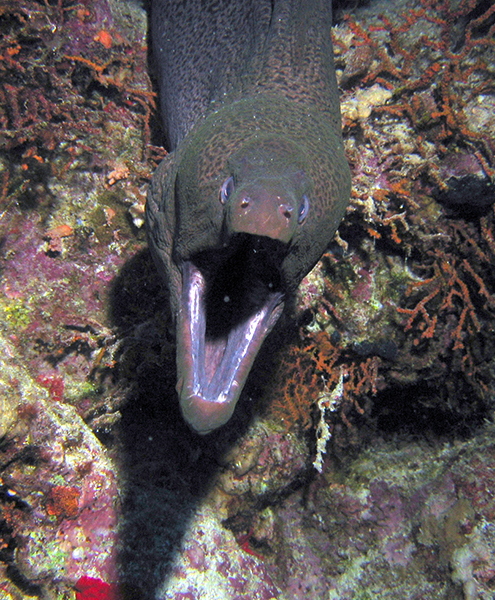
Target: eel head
x,y
233,294
232,224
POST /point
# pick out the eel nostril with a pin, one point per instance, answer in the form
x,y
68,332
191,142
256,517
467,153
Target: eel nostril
x,y
286,211
245,202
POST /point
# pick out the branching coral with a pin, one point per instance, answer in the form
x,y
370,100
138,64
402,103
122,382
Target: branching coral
x,y
417,92
436,79
63,86
312,372
449,311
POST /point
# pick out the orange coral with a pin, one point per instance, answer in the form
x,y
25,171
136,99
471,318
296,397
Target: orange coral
x,y
314,369
457,298
448,283
63,502
295,389
457,74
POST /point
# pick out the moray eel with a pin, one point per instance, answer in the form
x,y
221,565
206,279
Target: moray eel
x,y
254,185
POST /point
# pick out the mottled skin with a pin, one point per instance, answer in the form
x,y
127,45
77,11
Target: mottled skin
x,y
255,184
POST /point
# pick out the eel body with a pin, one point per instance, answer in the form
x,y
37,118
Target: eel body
x,y
255,183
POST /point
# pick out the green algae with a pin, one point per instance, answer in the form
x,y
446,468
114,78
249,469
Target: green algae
x,y
48,553
17,313
75,391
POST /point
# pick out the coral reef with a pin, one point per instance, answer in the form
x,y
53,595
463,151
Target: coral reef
x,y
389,366
59,504
75,158
405,297
402,519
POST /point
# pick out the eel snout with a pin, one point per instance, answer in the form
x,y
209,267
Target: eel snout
x,y
259,211
224,317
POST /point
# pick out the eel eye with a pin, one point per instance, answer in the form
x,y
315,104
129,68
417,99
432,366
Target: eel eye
x,y
303,210
226,189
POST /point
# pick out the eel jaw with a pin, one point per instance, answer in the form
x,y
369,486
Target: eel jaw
x,y
212,371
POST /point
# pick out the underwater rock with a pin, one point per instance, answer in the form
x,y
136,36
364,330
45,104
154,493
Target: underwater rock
x,y
264,462
59,518
404,519
360,107
384,348
212,566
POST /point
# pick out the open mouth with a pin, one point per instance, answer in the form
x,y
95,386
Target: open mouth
x,y
230,301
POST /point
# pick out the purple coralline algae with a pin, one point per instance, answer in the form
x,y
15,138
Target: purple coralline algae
x,y
212,566
59,511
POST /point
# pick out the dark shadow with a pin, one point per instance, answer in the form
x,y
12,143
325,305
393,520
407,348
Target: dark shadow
x,y
421,411
167,468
